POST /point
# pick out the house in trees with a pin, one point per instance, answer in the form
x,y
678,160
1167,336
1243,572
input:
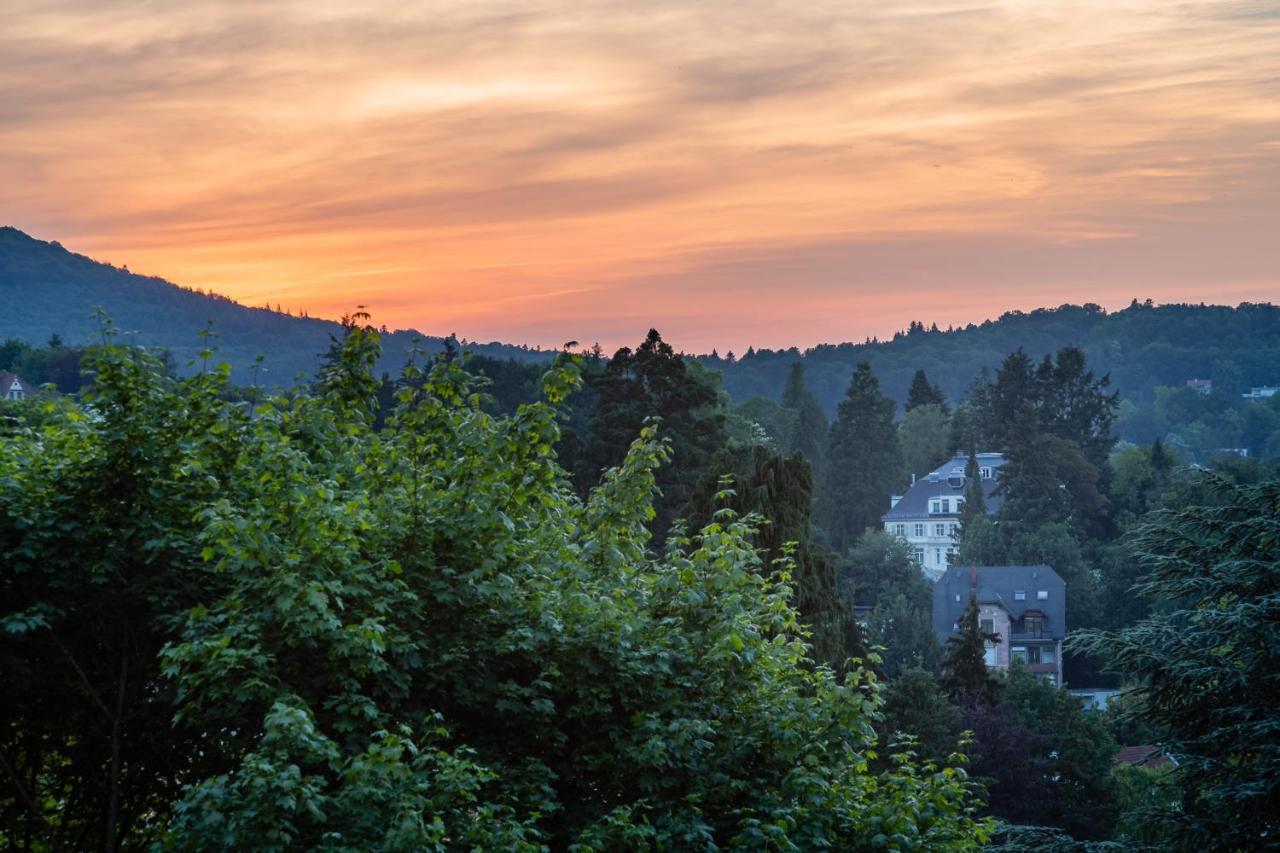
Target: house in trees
x,y
13,386
1025,605
928,515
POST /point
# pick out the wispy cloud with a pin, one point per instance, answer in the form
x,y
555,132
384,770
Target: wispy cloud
x,y
726,171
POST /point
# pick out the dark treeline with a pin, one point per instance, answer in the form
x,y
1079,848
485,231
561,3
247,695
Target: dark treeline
x,y
1142,348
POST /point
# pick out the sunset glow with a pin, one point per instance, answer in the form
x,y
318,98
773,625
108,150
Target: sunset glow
x,y
539,172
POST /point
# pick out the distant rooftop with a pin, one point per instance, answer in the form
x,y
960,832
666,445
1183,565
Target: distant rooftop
x,y
947,480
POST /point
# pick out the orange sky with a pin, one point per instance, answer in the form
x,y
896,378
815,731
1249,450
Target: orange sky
x,y
746,172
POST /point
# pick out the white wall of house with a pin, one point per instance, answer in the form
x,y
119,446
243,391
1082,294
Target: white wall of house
x,y
933,539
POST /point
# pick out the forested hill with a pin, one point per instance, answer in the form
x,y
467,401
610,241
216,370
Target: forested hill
x,y
1142,347
48,290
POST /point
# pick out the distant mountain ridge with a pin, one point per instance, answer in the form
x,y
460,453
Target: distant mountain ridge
x,y
49,290
1142,346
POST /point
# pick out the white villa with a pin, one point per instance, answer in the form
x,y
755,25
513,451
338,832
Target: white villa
x,y
928,515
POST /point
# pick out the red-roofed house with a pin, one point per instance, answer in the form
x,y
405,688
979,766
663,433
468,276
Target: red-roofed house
x,y
13,386
1150,757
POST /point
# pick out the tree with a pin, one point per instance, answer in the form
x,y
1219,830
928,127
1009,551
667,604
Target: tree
x,y
284,628
975,501
965,674
809,436
1077,759
758,480
654,382
922,393
914,704
1204,663
863,462
905,631
924,433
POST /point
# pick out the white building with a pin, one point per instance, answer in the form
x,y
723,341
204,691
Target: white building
x,y
928,515
12,386
1262,392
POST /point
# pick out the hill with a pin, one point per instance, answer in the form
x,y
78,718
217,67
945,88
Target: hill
x,y
48,290
1142,347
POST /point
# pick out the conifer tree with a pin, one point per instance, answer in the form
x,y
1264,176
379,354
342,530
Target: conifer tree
x,y
780,490
810,435
864,462
975,503
924,393
965,673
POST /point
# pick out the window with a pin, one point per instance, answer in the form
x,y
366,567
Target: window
x,y
1048,655
985,472
988,626
935,507
957,598
920,556
1018,653
939,530
1033,623
920,529
900,530
1043,595
989,656
1033,654
1019,595
946,504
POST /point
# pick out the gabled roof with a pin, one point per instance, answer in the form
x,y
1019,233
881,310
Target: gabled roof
x,y
7,380
947,481
1144,756
999,585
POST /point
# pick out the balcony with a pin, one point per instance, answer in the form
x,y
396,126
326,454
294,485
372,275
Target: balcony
x,y
1022,636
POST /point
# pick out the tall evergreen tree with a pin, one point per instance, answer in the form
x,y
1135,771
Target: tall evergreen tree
x,y
964,667
1205,663
780,490
975,502
809,437
924,393
864,462
654,382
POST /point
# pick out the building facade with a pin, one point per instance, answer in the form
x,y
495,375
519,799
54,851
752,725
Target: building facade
x,y
928,515
1025,605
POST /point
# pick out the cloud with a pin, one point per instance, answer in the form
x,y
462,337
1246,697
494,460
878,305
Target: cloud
x,y
610,164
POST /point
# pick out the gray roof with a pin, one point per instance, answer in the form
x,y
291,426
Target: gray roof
x,y
944,482
998,585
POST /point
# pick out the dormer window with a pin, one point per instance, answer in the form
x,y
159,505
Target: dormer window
x,y
985,472
1043,595
1020,595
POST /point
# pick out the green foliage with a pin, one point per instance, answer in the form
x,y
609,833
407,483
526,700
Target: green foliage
x,y
922,393
809,436
653,382
759,482
1204,663
975,501
925,435
904,630
1077,763
863,462
914,703
965,674
273,626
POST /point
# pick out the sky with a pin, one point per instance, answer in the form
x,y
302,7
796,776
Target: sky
x,y
732,172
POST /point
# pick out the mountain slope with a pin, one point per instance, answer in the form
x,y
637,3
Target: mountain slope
x,y
48,290
1141,347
